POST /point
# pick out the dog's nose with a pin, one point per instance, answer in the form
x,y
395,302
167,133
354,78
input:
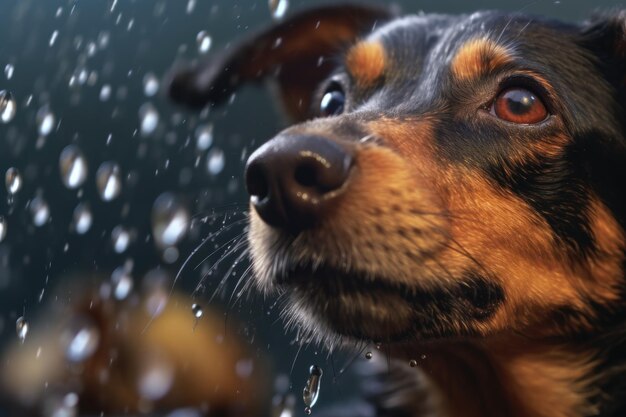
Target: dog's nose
x,y
294,180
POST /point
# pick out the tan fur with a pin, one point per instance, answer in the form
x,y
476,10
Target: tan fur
x,y
413,219
478,57
366,62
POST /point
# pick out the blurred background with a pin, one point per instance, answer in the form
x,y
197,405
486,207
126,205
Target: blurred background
x,y
112,193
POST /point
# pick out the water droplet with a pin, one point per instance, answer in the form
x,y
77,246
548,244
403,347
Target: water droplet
x,y
150,85
148,119
215,161
73,166
55,406
122,283
196,310
412,363
80,339
156,379
45,120
21,327
53,38
204,42
204,137
13,180
170,220
311,391
82,218
3,228
39,210
155,290
278,8
105,92
108,180
191,5
8,107
120,236
368,355
8,71
307,411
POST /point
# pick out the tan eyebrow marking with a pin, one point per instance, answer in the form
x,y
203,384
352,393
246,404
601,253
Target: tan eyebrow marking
x,y
366,62
478,57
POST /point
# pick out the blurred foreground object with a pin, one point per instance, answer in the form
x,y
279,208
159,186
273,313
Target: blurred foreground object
x,y
101,356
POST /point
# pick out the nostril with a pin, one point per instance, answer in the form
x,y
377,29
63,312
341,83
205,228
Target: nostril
x,y
306,174
257,183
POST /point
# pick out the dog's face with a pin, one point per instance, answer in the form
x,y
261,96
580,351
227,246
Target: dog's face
x,y
446,177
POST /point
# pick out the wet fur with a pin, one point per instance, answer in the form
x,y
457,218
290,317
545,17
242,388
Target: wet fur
x,y
495,251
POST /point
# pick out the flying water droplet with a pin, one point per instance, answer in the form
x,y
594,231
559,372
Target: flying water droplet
x,y
191,5
155,290
196,310
105,92
13,180
150,85
45,120
368,355
109,181
412,363
311,391
21,327
278,8
80,339
170,220
148,119
307,411
8,71
53,38
121,237
82,218
156,379
122,283
39,210
215,161
73,166
204,137
3,228
8,107
204,42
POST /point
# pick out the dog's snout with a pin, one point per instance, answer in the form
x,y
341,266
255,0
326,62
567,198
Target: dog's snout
x,y
294,180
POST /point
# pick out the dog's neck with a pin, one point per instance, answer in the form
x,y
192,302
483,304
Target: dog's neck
x,y
514,378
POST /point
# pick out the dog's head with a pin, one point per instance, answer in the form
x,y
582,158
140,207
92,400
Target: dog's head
x,y
446,176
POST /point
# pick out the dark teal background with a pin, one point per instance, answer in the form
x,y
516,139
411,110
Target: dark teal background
x,y
33,260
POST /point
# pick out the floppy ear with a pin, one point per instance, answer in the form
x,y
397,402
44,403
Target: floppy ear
x,y
297,53
605,36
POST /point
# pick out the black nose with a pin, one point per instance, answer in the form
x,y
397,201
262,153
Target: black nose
x,y
294,180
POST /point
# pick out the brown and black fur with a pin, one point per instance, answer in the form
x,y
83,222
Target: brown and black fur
x,y
495,251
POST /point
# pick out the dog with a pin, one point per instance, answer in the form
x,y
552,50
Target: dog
x,y
451,188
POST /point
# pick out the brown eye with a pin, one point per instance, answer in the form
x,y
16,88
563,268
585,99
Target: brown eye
x,y
517,105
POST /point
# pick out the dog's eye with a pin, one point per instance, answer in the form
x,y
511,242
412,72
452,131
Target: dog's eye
x,y
517,105
333,101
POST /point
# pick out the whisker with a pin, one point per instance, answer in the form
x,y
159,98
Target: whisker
x,y
227,243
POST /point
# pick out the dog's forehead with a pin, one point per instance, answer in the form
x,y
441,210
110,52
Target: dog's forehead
x,y
436,38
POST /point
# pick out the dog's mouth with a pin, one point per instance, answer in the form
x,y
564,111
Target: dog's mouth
x,y
380,308
354,303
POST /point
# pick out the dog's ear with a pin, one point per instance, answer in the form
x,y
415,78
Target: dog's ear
x,y
605,36
298,53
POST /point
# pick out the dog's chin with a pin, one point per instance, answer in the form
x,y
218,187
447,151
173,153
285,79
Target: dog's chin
x,y
350,304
